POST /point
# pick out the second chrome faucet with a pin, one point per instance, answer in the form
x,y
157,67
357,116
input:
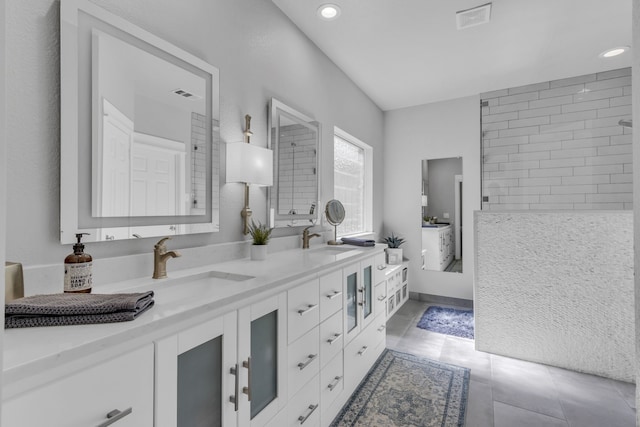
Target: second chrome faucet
x,y
306,237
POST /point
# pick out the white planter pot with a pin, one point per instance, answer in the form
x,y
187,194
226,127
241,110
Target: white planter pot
x,y
394,256
258,252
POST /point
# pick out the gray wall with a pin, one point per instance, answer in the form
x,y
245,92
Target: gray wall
x,y
441,194
431,131
260,54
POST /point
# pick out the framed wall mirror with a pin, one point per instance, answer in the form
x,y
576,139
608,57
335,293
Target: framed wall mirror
x,y
295,140
139,131
441,201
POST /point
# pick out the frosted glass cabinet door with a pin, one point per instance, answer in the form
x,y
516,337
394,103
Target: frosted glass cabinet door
x,y
366,292
195,381
351,285
262,340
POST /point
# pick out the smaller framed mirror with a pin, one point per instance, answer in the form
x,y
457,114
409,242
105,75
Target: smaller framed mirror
x,y
441,201
295,140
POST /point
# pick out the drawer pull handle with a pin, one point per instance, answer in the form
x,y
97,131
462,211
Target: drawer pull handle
x,y
114,416
381,297
381,328
334,384
335,338
363,350
382,267
310,359
308,309
234,399
303,418
334,294
247,390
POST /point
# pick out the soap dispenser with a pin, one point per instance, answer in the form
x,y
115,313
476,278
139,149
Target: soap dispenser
x,y
77,269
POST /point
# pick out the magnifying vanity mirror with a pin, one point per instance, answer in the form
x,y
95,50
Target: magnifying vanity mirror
x,y
139,131
295,140
441,214
334,211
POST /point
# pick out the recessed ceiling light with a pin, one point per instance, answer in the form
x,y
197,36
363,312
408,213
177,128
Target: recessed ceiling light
x,y
610,53
329,11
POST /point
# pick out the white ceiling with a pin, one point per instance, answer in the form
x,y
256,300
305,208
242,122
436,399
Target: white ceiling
x,y
408,52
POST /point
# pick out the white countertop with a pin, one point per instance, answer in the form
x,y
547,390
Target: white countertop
x,y
179,301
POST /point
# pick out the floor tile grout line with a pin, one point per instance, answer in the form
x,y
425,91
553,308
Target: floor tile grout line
x,y
530,410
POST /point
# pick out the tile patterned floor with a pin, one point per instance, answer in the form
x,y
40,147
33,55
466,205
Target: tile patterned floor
x,y
508,392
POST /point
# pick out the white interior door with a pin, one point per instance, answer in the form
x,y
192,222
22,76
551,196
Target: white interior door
x,y
157,183
114,174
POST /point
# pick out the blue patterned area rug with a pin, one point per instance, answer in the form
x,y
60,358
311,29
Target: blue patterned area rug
x,y
449,321
405,390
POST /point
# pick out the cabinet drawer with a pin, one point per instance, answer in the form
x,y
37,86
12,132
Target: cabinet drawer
x,y
304,408
85,398
380,267
379,332
380,296
331,337
330,294
303,360
303,309
331,382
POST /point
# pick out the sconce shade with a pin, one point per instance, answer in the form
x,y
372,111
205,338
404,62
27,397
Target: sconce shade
x,y
249,164
424,200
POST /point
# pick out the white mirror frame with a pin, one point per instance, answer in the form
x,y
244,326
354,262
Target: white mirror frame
x,y
70,217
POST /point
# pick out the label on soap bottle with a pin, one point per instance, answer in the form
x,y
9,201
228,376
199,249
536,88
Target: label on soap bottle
x,y
77,277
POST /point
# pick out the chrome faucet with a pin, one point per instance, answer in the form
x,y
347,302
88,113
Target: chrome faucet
x,y
306,237
160,257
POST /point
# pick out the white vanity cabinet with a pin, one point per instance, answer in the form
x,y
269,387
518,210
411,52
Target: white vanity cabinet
x,y
117,392
439,245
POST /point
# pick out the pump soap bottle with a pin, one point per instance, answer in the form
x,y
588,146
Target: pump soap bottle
x,y
77,269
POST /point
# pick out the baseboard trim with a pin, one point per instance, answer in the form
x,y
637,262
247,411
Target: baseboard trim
x,y
439,299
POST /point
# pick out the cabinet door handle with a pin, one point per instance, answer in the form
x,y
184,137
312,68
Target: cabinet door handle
x,y
363,350
334,294
114,416
381,328
364,297
308,309
334,383
247,390
303,418
234,399
381,297
335,338
310,359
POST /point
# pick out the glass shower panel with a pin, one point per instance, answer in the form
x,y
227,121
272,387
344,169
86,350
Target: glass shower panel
x,y
200,385
264,362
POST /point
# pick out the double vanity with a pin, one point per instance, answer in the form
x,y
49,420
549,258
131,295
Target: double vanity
x,y
272,343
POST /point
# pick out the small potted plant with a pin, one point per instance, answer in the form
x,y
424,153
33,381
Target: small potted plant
x,y
394,251
260,234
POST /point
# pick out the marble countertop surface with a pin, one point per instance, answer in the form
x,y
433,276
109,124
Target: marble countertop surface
x,y
181,300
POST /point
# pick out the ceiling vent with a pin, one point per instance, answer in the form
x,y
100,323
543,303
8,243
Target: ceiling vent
x,y
472,17
186,94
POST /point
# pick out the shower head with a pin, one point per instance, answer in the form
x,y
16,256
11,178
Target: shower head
x,y
626,123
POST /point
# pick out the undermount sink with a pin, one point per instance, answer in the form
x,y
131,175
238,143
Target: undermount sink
x,y
334,250
212,274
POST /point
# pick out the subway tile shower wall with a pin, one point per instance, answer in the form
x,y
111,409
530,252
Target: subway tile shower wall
x,y
558,144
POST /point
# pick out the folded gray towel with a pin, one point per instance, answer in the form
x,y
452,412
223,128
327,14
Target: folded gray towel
x,y
358,242
75,309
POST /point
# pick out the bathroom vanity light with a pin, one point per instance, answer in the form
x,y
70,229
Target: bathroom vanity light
x,y
249,164
329,11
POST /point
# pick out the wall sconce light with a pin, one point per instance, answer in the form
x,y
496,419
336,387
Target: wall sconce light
x,y
249,164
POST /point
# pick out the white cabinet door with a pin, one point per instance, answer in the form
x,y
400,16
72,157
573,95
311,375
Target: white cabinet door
x,y
262,355
195,377
122,387
351,283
